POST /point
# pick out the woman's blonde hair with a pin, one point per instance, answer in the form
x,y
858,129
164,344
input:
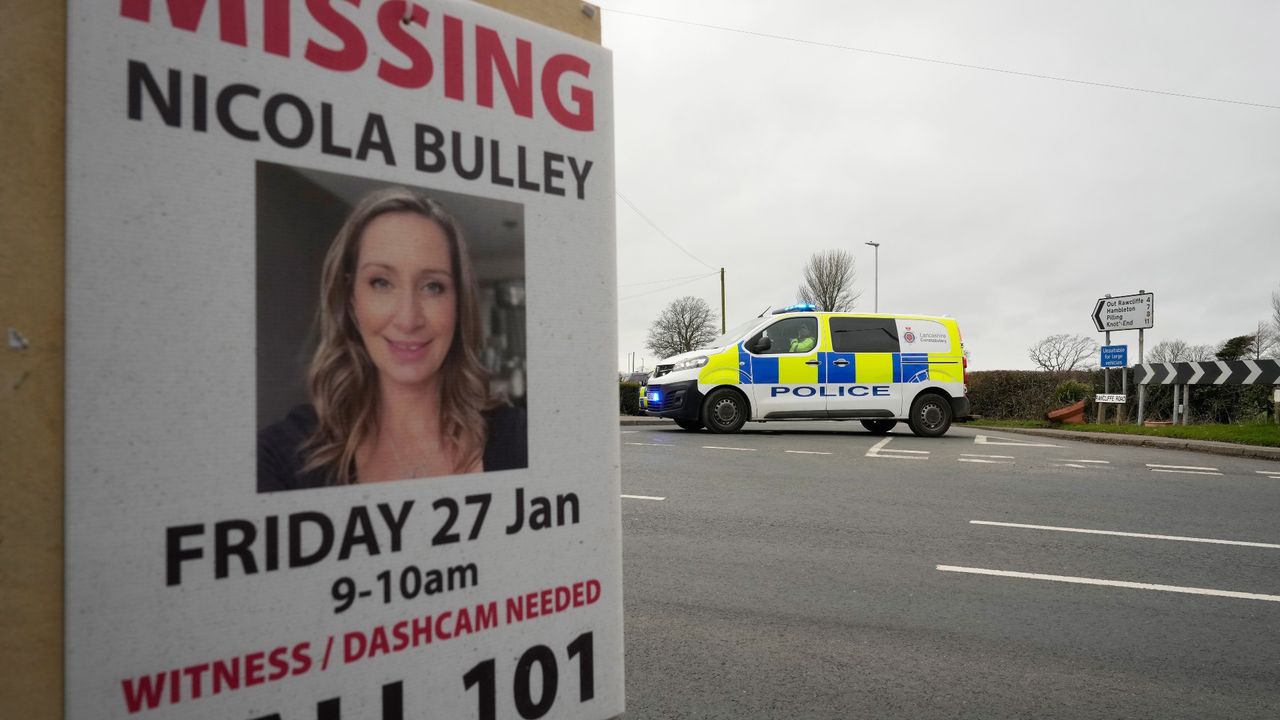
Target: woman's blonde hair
x,y
343,380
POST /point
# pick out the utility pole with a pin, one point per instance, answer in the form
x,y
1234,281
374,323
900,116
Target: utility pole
x,y
723,328
876,246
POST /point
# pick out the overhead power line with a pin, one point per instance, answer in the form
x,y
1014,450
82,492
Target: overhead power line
x,y
669,287
660,232
936,61
666,280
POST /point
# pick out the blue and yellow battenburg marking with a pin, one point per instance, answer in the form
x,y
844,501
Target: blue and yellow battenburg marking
x,y
832,367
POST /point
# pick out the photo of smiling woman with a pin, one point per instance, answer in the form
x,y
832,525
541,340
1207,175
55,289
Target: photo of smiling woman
x,y
397,386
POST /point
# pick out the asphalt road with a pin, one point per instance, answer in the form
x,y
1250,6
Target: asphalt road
x,y
813,570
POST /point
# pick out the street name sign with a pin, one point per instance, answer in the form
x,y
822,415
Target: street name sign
x,y
1115,356
1124,312
1116,399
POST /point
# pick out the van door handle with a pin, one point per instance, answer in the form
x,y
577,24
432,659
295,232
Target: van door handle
x,y
840,363
812,362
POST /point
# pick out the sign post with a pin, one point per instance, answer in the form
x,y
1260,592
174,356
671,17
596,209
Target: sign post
x,y
385,512
1113,356
1126,312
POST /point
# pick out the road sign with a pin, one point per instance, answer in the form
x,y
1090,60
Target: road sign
x,y
1116,399
1124,312
1213,372
1115,356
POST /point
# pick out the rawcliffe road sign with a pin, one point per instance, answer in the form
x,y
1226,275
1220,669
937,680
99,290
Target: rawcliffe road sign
x,y
1124,312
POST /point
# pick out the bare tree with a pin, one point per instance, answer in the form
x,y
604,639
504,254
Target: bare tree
x,y
1168,351
828,281
1064,352
1275,310
686,324
1179,351
1266,341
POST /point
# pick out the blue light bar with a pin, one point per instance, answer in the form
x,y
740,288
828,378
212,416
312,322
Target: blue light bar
x,y
798,307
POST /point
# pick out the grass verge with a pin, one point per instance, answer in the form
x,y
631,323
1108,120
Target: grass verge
x,y
1264,434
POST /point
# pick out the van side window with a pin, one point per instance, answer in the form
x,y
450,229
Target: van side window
x,y
793,335
864,335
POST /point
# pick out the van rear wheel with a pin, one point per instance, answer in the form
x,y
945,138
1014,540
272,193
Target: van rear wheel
x,y
930,416
689,424
724,411
879,427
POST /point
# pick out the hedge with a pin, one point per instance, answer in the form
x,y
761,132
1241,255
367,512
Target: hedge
x,y
1028,395
629,398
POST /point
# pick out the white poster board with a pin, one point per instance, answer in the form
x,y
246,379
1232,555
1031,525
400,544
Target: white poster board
x,y
233,397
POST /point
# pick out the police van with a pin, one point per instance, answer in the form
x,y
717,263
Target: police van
x,y
798,364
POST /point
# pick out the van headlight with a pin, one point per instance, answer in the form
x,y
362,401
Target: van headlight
x,y
690,364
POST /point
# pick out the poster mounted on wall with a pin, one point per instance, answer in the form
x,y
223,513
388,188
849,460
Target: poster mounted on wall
x,y
341,436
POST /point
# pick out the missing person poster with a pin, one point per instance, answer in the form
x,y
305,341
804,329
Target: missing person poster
x,y
340,391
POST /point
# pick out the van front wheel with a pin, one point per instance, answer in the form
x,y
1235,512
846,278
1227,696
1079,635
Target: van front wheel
x,y
724,411
930,416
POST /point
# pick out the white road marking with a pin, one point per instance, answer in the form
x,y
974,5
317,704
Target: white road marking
x,y
1118,533
987,462
651,444
1187,472
998,457
630,432
808,452
717,447
1073,465
993,440
642,497
1110,583
1182,467
879,450
1097,462
1269,473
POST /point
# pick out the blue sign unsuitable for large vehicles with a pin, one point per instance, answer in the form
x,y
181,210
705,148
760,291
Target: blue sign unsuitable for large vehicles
x,y
1115,356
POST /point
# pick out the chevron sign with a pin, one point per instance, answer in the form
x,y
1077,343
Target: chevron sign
x,y
1212,372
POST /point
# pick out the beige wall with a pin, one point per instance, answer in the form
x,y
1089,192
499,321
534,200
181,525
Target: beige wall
x,y
32,154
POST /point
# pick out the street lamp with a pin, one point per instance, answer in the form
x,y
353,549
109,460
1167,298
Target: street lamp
x,y
876,245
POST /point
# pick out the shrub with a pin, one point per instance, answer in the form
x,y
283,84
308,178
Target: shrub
x,y
1070,392
629,398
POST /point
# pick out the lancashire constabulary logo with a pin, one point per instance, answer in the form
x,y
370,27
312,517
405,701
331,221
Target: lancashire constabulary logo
x,y
909,336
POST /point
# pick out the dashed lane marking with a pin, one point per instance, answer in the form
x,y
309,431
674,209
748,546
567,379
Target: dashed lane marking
x,y
1110,583
994,440
1092,462
642,497
997,457
717,447
1184,469
986,462
808,452
1118,533
651,444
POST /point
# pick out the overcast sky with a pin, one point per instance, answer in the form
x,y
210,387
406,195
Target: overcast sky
x,y
1009,202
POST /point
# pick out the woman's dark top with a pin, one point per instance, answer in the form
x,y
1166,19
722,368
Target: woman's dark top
x,y
280,459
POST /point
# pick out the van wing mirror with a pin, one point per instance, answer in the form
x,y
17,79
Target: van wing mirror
x,y
762,344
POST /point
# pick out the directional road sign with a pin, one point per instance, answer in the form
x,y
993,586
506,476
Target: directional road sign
x,y
1214,372
1124,312
1115,356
